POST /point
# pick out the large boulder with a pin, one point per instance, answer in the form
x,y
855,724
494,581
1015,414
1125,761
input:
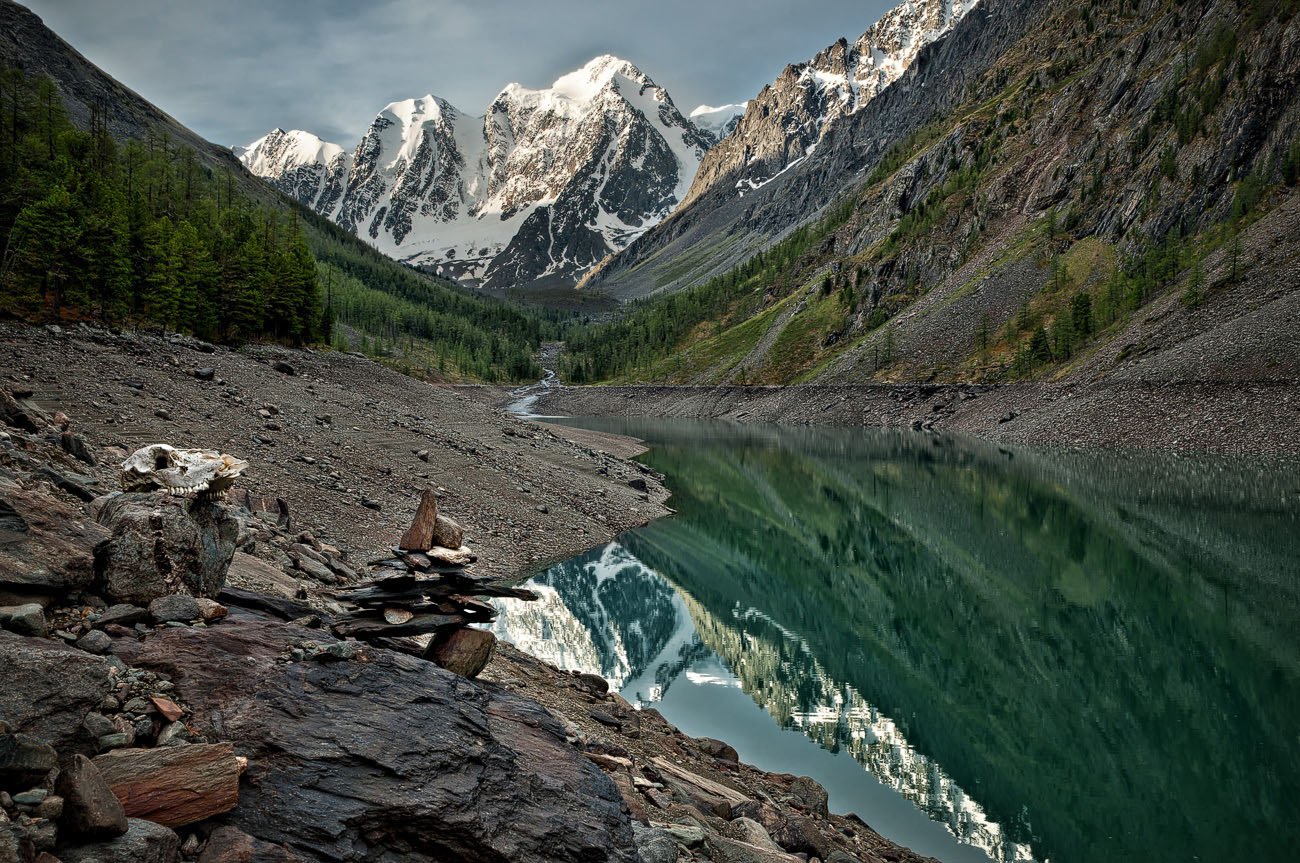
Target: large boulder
x,y
90,808
48,688
46,544
162,544
392,753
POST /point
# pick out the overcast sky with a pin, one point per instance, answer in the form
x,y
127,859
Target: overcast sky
x,y
232,70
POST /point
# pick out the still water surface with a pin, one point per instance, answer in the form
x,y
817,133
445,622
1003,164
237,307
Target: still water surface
x,y
985,653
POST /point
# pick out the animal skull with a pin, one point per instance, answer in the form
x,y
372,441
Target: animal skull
x,y
180,471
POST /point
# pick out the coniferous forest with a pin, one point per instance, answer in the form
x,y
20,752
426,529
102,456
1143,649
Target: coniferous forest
x,y
146,234
140,233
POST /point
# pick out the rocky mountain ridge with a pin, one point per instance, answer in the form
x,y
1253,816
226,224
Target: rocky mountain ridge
x,y
540,187
783,124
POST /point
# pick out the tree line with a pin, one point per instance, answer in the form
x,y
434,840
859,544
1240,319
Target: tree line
x,y
141,233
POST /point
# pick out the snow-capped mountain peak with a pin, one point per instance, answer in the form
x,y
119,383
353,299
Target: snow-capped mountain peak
x,y
718,121
543,186
795,110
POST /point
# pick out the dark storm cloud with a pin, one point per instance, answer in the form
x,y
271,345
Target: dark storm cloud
x,y
234,69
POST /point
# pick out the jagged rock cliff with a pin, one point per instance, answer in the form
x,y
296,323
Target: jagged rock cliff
x,y
543,185
787,119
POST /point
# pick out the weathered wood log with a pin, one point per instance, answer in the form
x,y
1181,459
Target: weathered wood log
x,y
419,535
174,785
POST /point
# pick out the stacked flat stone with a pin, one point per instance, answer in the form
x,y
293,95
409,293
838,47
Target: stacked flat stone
x,y
427,589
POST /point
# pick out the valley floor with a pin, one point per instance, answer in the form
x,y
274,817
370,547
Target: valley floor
x,y
340,440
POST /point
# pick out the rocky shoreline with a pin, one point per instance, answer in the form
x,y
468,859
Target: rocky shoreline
x,y
199,676
1232,417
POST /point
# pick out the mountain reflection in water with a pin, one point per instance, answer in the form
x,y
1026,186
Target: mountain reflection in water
x,y
1099,648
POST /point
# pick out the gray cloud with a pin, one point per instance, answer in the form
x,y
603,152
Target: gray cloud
x,y
234,69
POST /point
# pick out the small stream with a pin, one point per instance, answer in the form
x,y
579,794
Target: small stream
x,y
986,653
525,397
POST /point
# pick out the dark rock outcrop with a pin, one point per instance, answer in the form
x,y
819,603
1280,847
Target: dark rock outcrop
x,y
46,544
164,545
90,808
392,753
48,688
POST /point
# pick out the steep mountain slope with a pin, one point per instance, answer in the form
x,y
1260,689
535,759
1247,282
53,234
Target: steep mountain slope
x,y
378,303
541,187
786,120
797,121
26,42
1049,190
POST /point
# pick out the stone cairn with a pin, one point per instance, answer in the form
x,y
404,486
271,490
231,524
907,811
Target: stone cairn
x,y
427,589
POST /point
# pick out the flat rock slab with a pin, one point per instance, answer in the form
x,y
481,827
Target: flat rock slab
x,y
48,688
349,757
173,785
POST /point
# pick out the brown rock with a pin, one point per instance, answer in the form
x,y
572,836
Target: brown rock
x,y
168,708
229,844
174,785
419,535
708,795
210,609
462,651
89,806
718,749
447,533
392,614
634,801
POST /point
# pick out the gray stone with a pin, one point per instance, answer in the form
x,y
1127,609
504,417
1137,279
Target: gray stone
x,y
115,740
161,543
23,757
34,797
654,845
690,835
751,832
447,532
95,642
26,619
97,725
49,687
143,842
177,607
122,614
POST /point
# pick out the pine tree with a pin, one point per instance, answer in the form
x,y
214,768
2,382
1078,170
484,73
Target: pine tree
x,y
160,298
43,246
197,278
